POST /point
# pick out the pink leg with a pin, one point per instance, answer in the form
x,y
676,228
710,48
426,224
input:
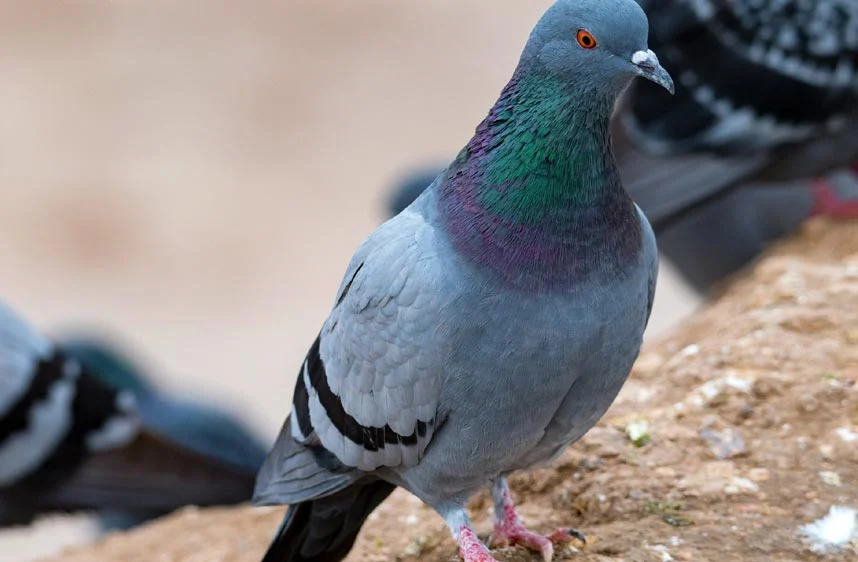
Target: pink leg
x,y
509,529
827,203
471,549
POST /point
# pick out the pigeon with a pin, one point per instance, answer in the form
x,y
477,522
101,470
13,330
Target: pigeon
x,y
767,92
761,134
81,431
197,427
492,323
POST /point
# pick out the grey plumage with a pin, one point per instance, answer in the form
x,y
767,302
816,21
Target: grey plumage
x,y
439,374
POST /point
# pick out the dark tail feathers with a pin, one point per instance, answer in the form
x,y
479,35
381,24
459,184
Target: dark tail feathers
x,y
325,529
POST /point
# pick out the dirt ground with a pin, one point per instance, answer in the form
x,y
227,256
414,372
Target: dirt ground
x,y
752,409
192,177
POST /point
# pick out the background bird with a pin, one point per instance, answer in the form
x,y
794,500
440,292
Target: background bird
x,y
762,132
493,322
766,98
80,429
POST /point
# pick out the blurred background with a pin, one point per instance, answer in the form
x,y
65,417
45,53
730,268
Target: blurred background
x,y
191,178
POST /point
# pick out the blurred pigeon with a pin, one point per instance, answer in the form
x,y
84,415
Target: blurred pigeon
x,y
709,242
492,323
767,94
81,430
766,100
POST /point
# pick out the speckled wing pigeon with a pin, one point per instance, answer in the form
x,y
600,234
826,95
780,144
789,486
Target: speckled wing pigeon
x,y
493,322
767,91
81,430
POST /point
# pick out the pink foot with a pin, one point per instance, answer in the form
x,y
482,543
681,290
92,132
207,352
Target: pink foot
x,y
511,531
471,549
828,204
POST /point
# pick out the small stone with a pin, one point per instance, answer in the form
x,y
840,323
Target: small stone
x,y
741,486
830,478
663,553
758,474
764,387
724,444
415,548
746,412
846,434
808,404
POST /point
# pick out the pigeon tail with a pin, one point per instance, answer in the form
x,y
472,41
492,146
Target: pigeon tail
x,y
324,530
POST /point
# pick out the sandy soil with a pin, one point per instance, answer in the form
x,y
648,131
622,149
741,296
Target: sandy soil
x,y
195,176
752,409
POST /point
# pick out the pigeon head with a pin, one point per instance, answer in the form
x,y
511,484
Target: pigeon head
x,y
600,43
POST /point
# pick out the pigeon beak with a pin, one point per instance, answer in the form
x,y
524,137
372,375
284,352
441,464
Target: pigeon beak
x,y
647,66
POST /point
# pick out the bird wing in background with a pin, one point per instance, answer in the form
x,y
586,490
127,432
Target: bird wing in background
x,y
200,428
52,412
368,391
73,436
150,477
759,83
664,187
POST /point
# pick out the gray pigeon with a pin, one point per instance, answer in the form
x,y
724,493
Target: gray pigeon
x,y
494,321
767,92
77,434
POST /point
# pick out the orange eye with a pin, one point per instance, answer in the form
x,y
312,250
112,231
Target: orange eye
x,y
586,39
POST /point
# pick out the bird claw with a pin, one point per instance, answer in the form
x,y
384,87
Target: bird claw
x,y
829,204
515,533
564,536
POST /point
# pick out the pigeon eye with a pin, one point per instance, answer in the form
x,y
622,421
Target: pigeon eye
x,y
586,39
